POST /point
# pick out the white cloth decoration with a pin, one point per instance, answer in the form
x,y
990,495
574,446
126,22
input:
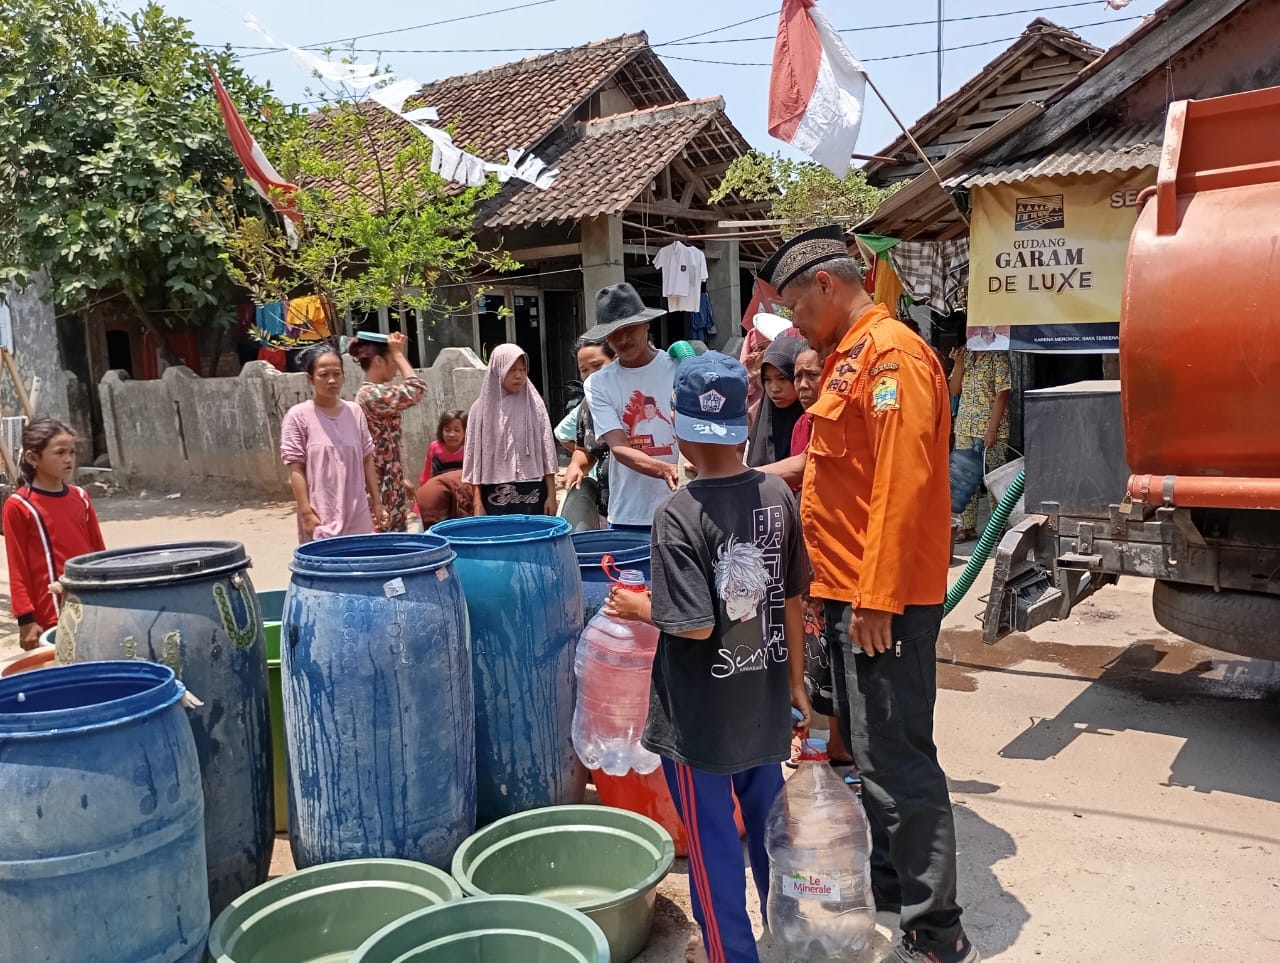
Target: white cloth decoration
x,y
447,160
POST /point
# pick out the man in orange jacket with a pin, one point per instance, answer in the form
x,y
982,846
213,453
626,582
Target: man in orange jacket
x,y
876,511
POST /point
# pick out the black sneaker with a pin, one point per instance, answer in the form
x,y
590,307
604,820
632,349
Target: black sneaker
x,y
911,950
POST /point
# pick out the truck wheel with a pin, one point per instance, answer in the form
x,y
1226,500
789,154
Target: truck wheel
x,y
1242,623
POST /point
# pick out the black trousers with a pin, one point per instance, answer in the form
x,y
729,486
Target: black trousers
x,y
884,705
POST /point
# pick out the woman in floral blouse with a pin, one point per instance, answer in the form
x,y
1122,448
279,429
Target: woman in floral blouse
x,y
383,399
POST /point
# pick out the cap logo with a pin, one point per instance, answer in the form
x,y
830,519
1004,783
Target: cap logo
x,y
711,402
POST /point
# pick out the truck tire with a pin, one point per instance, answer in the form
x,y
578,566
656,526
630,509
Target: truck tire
x,y
1242,623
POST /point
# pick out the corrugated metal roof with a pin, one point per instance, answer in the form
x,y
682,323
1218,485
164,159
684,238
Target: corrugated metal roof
x,y
1131,147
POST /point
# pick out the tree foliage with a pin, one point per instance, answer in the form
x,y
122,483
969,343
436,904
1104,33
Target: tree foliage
x,y
799,191
112,156
378,227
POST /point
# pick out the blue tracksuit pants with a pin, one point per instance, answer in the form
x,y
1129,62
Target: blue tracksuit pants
x,y
716,867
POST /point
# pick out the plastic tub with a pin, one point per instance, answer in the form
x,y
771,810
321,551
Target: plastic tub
x,y
324,913
41,657
275,709
492,929
605,862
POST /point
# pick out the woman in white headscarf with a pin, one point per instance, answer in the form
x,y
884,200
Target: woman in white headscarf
x,y
510,454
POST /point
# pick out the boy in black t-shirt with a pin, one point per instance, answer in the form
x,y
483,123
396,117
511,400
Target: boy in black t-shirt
x,y
729,567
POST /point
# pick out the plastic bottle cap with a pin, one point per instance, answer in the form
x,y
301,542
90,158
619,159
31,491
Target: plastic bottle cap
x,y
813,750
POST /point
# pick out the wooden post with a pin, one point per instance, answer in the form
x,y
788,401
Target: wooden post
x,y
912,141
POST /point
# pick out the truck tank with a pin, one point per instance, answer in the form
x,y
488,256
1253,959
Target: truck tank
x,y
1200,319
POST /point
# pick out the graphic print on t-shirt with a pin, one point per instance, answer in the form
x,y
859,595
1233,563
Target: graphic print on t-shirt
x,y
749,582
649,428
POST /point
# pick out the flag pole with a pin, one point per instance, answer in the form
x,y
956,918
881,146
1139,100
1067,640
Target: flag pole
x,y
912,141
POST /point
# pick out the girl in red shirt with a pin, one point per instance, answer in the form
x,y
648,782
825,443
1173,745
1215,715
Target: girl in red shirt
x,y
46,522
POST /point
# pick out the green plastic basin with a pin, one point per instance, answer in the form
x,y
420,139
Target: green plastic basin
x,y
275,699
322,914
491,929
605,862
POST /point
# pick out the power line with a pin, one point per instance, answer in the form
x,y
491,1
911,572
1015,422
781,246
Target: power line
x,y
727,63
686,41
420,26
894,26
728,26
932,51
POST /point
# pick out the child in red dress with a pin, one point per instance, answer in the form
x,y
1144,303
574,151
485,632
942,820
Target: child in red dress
x,y
47,520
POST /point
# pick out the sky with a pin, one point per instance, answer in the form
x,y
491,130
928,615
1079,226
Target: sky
x,y
980,28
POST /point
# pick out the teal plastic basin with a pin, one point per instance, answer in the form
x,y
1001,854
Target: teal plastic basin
x,y
491,929
605,862
322,914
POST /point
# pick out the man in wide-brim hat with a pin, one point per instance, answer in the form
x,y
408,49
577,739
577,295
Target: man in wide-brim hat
x,y
645,464
876,511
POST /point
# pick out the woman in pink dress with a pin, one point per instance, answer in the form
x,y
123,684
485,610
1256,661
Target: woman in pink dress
x,y
326,445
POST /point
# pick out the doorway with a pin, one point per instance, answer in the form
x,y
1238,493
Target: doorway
x,y
516,316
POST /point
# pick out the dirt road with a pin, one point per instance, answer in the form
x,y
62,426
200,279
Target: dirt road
x,y
1115,788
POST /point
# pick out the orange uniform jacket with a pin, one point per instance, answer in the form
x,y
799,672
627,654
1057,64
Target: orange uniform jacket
x,y
876,502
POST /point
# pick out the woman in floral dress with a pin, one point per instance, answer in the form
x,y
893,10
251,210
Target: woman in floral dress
x,y
383,399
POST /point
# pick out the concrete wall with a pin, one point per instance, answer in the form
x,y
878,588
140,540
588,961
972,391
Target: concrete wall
x,y
219,436
38,354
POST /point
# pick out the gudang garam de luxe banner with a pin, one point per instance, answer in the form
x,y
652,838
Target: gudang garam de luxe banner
x,y
1046,261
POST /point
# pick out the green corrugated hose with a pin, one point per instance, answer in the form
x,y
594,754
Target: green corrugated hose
x,y
990,538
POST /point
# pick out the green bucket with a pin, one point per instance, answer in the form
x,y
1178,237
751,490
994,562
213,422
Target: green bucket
x,y
272,605
275,697
491,929
604,862
322,914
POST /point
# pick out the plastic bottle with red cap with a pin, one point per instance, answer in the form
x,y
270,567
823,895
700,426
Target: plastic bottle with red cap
x,y
819,843
614,663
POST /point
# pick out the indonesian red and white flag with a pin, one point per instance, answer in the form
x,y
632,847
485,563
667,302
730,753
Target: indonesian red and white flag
x,y
262,175
816,89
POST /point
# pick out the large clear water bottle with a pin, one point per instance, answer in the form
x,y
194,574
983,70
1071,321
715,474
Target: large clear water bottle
x,y
614,662
819,844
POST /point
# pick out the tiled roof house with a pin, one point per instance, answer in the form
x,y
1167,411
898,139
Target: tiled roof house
x,y
637,160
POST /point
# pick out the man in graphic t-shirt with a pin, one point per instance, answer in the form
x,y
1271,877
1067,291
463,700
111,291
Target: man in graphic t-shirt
x,y
630,403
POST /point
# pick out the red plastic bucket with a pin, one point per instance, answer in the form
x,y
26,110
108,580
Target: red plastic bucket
x,y
41,658
649,796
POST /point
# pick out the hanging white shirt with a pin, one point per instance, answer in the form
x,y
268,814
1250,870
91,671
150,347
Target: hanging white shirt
x,y
683,270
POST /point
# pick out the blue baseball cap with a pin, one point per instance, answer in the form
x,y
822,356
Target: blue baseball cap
x,y
710,399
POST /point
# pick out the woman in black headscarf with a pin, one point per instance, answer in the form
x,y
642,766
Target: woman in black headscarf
x,y
779,409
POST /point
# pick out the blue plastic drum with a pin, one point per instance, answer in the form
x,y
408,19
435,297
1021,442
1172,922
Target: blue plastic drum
x,y
524,601
102,830
630,549
377,701
192,606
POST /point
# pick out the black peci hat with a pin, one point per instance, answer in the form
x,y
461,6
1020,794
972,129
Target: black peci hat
x,y
803,252
619,306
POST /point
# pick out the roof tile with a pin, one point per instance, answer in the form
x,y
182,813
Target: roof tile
x,y
605,164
